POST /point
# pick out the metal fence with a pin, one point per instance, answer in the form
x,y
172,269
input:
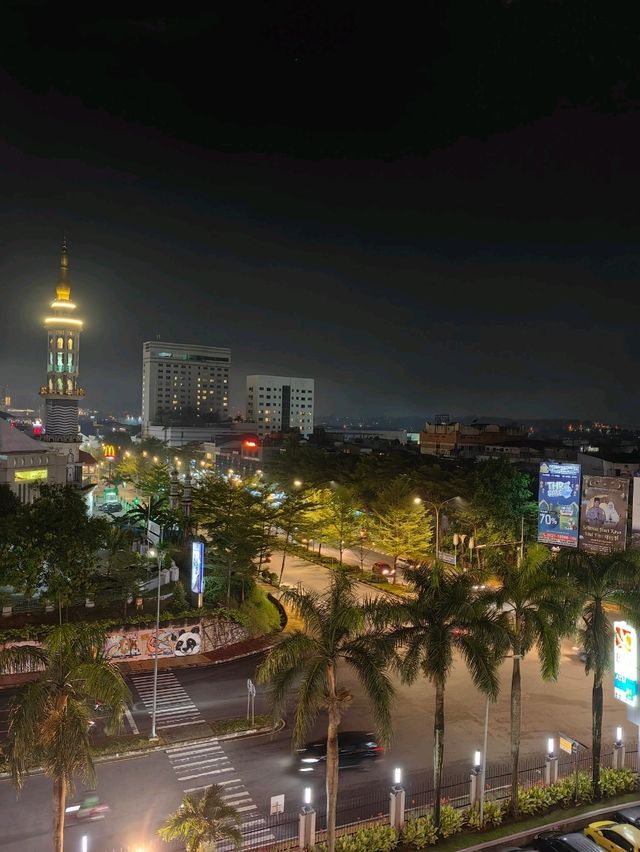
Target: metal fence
x,y
279,832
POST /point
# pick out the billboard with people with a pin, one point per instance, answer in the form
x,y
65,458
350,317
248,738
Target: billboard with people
x,y
603,513
559,503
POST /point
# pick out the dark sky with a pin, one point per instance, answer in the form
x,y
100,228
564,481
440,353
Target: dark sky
x,y
434,213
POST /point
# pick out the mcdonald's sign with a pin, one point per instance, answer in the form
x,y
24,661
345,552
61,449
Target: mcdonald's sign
x,y
109,452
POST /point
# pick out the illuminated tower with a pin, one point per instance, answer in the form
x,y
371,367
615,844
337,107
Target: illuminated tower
x,y
62,391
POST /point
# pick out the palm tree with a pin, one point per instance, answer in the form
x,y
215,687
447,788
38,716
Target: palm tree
x,y
337,630
446,616
533,602
203,820
50,718
600,581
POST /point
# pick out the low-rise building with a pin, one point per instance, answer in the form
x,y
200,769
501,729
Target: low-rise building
x,y
26,463
462,440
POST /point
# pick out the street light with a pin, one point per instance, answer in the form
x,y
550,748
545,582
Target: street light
x,y
307,795
397,775
436,510
156,552
551,747
297,483
477,760
619,735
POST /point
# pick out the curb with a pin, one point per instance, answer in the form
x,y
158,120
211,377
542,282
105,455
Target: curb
x,y
142,752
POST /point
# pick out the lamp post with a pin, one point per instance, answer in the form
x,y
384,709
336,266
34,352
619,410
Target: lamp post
x,y
397,801
437,507
157,552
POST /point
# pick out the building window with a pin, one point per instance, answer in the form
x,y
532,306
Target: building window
x,y
70,343
60,343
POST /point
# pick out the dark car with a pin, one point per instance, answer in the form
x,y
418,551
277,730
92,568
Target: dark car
x,y
355,748
629,815
383,569
557,841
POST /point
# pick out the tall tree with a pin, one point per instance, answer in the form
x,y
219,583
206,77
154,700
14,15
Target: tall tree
x,y
49,719
343,525
203,821
599,582
337,630
499,497
399,526
230,516
536,617
291,514
70,541
445,617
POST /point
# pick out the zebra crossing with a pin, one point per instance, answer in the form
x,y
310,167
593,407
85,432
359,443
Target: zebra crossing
x,y
199,764
174,707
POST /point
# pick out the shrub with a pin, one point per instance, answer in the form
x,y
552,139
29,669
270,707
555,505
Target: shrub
x,y
534,800
179,598
493,814
613,782
450,821
420,832
261,615
379,838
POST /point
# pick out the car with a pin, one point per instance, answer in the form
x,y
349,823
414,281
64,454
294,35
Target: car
x,y
558,841
111,508
355,748
614,836
628,815
405,563
383,569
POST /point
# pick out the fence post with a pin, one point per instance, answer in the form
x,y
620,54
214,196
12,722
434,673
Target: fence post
x,y
307,827
550,770
396,807
619,754
473,787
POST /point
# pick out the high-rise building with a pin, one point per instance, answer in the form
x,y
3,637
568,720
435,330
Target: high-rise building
x,y
182,383
280,403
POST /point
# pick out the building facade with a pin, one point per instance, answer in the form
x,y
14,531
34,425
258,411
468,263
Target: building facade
x,y
280,403
460,440
26,463
180,381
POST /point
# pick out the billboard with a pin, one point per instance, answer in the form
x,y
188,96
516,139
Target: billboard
x,y
197,567
559,503
603,513
625,663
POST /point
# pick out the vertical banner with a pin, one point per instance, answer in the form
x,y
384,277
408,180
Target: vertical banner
x,y
559,503
197,567
635,514
625,663
603,513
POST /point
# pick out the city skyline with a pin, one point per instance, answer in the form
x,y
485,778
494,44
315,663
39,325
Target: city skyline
x,y
412,250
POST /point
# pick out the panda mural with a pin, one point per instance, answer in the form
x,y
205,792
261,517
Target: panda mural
x,y
187,642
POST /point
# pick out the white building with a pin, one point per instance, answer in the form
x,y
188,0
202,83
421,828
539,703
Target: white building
x,y
26,463
280,403
178,379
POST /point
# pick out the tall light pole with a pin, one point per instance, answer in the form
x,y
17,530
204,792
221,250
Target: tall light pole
x,y
436,510
154,735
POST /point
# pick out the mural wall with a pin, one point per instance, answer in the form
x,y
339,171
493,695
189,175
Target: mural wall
x,y
140,643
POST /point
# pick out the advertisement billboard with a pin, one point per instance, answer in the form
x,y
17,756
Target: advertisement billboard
x,y
603,513
625,663
197,567
559,503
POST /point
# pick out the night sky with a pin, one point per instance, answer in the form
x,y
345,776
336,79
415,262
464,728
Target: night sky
x,y
425,214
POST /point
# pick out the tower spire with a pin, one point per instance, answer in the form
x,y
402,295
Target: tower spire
x,y
63,290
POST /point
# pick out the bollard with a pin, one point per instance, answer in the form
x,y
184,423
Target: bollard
x,y
307,827
550,770
396,807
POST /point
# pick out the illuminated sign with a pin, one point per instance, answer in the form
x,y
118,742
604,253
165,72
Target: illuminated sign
x,y
250,444
559,503
38,428
31,475
197,567
109,452
625,663
603,513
